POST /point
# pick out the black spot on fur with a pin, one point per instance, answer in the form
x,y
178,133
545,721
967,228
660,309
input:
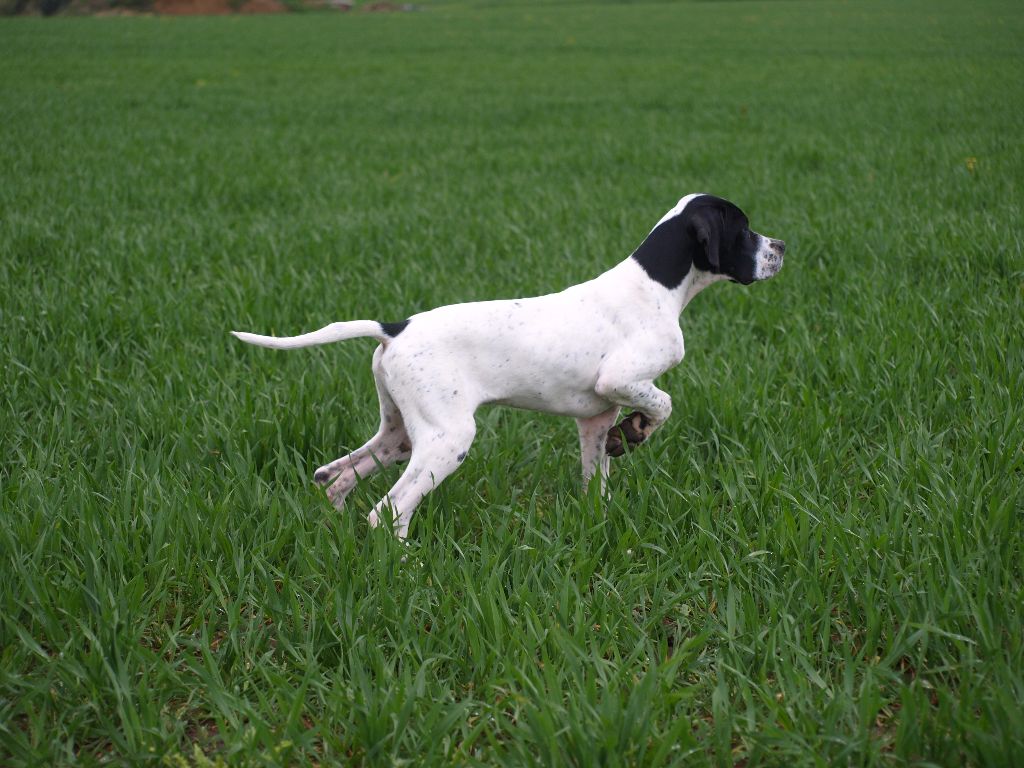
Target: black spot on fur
x,y
461,457
393,329
666,255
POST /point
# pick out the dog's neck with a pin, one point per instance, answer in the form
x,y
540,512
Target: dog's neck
x,y
666,254
695,281
666,259
670,300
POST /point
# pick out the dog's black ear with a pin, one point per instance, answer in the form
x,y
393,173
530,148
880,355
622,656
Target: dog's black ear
x,y
707,227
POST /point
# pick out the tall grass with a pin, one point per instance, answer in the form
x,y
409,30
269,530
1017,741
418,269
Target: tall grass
x,y
816,561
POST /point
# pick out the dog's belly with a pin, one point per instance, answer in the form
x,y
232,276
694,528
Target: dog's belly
x,y
580,405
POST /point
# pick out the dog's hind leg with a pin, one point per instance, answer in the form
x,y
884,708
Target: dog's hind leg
x,y
437,452
593,440
391,444
379,453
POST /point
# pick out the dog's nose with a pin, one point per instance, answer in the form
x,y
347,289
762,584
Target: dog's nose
x,y
779,247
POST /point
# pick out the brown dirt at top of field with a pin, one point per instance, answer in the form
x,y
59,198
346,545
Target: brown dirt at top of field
x,y
216,7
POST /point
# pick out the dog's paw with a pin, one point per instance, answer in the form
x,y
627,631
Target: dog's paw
x,y
628,433
323,476
614,447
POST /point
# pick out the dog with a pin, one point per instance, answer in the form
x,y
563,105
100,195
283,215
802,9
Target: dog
x,y
586,352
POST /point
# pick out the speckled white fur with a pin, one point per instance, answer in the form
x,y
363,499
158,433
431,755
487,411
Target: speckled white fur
x,y
585,352
768,259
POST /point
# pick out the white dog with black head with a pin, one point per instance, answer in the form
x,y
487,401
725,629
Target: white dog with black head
x,y
586,352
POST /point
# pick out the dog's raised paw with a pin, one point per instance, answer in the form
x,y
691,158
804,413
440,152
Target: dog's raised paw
x,y
628,433
614,447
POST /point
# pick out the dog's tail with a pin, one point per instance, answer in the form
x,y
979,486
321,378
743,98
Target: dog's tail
x,y
353,329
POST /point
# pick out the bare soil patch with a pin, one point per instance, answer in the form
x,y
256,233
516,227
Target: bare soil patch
x,y
216,7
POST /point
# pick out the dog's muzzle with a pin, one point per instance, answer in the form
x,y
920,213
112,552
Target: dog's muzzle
x,y
769,258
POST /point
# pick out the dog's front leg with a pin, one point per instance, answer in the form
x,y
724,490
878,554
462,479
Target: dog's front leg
x,y
652,407
593,439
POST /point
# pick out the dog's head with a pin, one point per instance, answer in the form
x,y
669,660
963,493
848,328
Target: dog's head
x,y
726,244
712,235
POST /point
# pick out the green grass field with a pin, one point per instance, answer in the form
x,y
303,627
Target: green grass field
x,y
818,560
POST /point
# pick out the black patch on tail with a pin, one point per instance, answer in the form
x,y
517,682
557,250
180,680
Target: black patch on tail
x,y
393,329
